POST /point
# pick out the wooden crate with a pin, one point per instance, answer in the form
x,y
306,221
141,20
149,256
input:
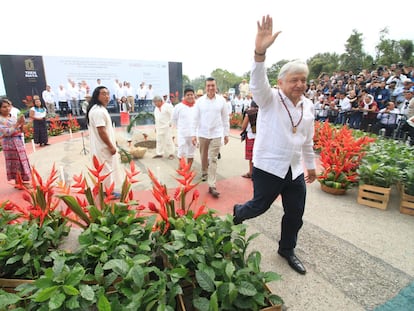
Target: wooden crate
x,y
407,203
374,196
9,285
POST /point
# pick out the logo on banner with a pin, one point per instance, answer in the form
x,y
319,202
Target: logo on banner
x,y
30,71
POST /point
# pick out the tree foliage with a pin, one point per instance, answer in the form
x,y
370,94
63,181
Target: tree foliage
x,y
322,62
354,59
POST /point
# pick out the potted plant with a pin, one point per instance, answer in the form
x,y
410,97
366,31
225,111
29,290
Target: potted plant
x,y
379,170
219,273
340,156
28,234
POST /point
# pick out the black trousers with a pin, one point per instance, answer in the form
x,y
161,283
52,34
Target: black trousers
x,y
267,187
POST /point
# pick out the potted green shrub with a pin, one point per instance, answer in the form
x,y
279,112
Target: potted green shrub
x,y
379,170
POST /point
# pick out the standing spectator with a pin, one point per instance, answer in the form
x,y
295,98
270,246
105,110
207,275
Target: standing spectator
x,y
249,125
163,115
38,114
238,104
343,106
382,95
199,93
369,110
14,112
48,97
11,130
287,118
73,92
322,108
182,119
130,95
141,93
82,91
388,119
62,96
149,96
244,88
211,124
102,137
355,115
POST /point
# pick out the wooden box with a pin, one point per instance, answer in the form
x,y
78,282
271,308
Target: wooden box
x,y
9,285
407,203
374,196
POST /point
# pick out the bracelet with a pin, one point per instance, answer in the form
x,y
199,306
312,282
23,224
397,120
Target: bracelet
x,y
259,54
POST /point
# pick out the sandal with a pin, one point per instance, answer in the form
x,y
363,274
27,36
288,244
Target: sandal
x,y
247,175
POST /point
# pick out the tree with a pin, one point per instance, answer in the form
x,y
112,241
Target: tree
x,y
325,62
273,71
225,79
387,51
354,56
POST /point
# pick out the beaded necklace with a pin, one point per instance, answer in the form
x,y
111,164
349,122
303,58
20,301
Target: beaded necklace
x,y
294,126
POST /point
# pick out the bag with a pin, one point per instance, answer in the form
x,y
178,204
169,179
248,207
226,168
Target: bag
x,y
243,135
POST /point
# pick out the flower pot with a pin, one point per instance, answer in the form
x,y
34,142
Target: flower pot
x,y
374,196
334,191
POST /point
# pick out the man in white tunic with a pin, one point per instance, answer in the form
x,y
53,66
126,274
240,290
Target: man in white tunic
x,y
211,125
102,136
283,145
183,118
163,115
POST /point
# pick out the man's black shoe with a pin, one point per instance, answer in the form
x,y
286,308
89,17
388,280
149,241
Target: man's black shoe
x,y
236,221
213,192
293,262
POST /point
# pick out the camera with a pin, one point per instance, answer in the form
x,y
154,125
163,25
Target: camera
x,y
400,64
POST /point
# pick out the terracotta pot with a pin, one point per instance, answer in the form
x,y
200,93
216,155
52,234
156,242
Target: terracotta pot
x,y
334,191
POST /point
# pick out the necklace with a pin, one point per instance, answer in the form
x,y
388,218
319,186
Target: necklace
x,y
294,126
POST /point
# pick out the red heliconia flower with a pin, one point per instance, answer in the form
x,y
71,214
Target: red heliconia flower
x,y
152,207
80,183
180,212
200,211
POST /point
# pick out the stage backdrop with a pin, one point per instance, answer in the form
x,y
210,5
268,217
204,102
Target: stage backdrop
x,y
28,75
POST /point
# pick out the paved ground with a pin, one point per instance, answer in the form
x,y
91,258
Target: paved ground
x,y
358,258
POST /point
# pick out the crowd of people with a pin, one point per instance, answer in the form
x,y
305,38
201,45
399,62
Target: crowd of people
x,y
370,100
73,98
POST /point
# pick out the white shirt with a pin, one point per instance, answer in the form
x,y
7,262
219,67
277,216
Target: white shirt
x,y
48,96
276,147
62,95
182,119
211,119
14,112
98,117
163,116
345,104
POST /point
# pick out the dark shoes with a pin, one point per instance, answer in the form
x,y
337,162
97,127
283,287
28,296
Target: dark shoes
x,y
236,221
213,191
293,262
158,156
204,177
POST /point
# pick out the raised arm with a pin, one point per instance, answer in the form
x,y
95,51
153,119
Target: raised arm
x,y
264,38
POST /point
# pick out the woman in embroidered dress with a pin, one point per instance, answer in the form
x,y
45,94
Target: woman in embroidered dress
x,y
249,125
38,115
15,155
